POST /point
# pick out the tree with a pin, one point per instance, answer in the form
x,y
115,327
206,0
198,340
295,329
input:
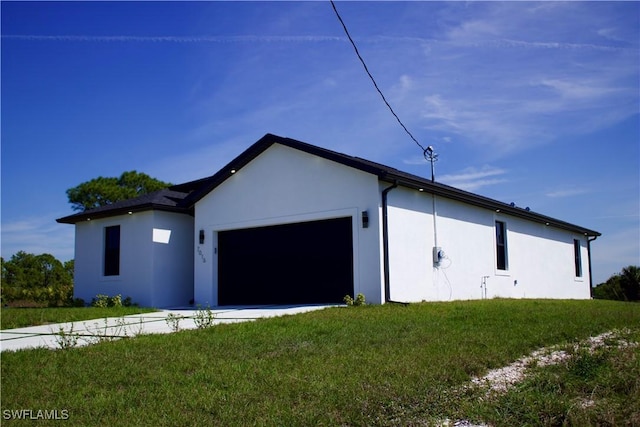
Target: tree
x,y
609,290
630,282
624,286
40,278
103,191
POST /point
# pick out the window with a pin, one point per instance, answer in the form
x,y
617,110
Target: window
x,y
112,251
501,245
577,257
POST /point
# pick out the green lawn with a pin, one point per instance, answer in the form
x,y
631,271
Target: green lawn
x,y
21,317
372,365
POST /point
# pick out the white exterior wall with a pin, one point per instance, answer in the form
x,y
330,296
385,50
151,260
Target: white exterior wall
x,y
283,185
540,258
410,237
135,259
153,274
172,261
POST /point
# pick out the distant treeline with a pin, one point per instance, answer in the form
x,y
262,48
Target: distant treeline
x,y
624,286
36,280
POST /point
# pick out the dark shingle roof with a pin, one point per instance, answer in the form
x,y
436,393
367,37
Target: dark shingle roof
x,y
166,200
183,197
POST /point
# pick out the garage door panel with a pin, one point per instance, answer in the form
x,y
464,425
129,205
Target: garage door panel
x,y
308,262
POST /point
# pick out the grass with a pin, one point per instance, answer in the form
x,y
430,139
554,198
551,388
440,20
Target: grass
x,y
372,365
600,387
21,317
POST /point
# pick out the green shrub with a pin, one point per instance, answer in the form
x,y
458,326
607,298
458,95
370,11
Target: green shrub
x,y
204,317
100,301
104,301
115,301
127,302
67,339
360,300
173,321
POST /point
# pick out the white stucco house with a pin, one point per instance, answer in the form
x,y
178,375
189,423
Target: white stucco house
x,y
287,222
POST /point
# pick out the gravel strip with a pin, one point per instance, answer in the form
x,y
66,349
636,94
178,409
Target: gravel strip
x,y
500,380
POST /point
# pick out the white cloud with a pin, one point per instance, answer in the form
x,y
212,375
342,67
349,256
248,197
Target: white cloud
x,y
611,33
472,31
567,192
175,39
512,110
37,235
584,90
491,76
511,76
471,179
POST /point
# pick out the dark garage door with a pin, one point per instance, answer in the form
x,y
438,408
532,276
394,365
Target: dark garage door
x,y
301,263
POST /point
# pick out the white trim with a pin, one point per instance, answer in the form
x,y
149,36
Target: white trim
x,y
286,219
497,271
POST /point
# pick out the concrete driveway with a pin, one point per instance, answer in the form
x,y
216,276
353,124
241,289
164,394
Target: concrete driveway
x,y
86,332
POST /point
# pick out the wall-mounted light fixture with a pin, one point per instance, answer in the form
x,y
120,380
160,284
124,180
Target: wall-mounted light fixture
x,y
365,219
201,237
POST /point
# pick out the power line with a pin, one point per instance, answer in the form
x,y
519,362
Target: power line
x,y
424,150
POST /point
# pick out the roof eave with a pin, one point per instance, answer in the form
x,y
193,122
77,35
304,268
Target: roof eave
x,y
487,203
88,216
384,173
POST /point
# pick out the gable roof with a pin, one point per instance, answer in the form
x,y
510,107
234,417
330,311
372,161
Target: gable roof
x,y
165,200
183,197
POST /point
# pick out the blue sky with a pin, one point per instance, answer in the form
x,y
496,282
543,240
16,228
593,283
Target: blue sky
x,y
535,103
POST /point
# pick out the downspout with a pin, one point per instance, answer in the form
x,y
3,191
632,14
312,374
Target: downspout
x,y
385,241
589,259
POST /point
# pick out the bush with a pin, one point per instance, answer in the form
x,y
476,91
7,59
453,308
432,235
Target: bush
x,y
77,302
104,301
115,301
127,302
173,321
100,300
204,317
360,300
